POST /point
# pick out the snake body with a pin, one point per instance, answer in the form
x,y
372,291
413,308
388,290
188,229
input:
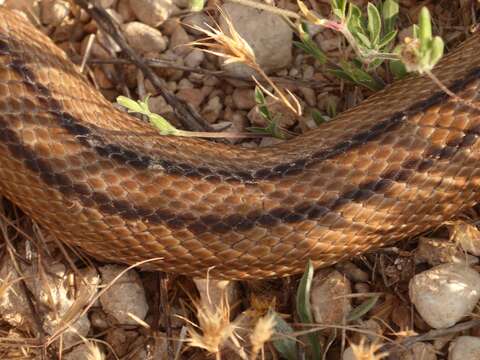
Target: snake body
x,y
403,161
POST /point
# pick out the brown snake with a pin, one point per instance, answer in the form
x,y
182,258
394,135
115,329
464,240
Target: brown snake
x,y
402,162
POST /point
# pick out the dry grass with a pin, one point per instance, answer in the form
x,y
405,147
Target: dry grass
x,y
262,332
366,351
234,49
213,330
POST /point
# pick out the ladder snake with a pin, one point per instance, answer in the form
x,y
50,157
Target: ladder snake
x,y
403,161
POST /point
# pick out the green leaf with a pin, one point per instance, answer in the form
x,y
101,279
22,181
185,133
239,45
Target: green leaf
x,y
351,72
261,103
196,5
310,47
364,39
398,69
387,39
425,29
163,126
303,295
363,308
415,31
318,117
372,65
390,11
339,8
141,107
259,97
272,129
303,308
131,105
285,345
354,19
436,50
374,23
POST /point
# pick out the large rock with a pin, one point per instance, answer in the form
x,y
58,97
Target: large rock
x,y
445,294
268,35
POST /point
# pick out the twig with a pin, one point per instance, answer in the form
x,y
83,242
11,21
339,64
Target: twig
x,y
163,280
431,335
158,63
28,295
187,115
450,93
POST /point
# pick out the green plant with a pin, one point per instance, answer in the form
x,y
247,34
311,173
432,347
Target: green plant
x,y
422,52
160,123
303,308
371,37
308,45
196,5
272,128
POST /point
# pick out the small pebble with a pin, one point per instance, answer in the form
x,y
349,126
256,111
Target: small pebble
x,y
54,11
144,38
329,296
244,98
420,351
125,296
152,12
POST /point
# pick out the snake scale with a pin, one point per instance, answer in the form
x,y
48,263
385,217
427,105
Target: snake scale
x,y
403,161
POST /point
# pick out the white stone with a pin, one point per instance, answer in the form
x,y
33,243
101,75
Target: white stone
x,y
464,348
445,294
269,36
54,11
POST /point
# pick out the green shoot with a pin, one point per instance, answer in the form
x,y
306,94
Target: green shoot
x,y
363,308
196,5
370,36
422,52
303,308
141,107
318,118
272,128
352,71
308,45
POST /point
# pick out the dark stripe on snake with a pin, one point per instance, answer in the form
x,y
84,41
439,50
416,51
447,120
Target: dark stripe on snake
x,y
119,153
217,224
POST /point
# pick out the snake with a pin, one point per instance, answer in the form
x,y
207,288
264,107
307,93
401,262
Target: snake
x,y
401,162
